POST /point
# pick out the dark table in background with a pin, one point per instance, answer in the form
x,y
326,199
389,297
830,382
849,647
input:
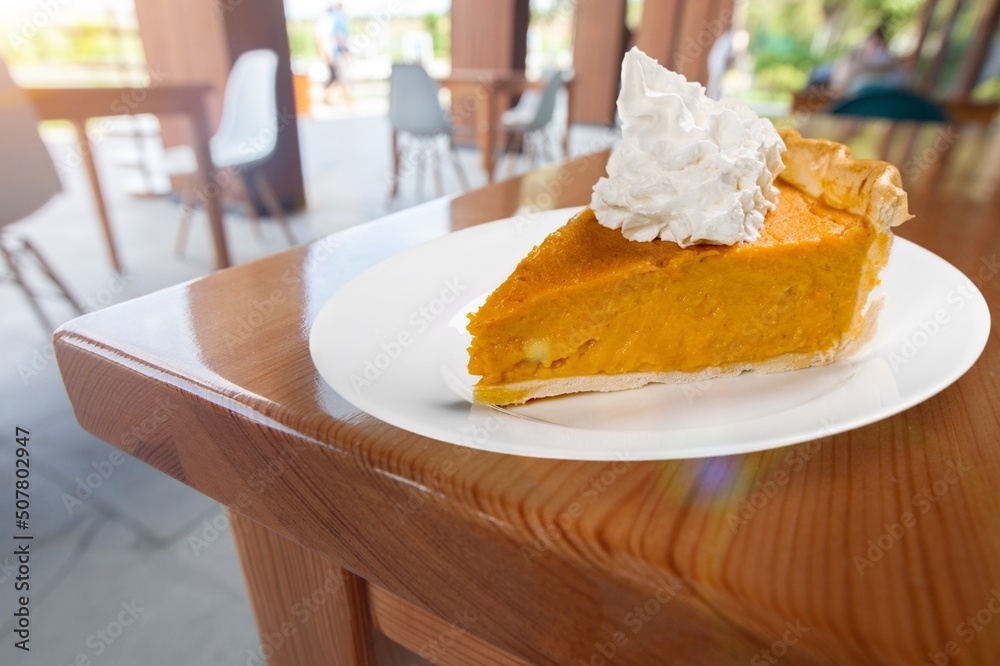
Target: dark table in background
x,y
78,105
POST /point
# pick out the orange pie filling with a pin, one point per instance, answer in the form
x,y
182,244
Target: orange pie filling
x,y
587,301
590,310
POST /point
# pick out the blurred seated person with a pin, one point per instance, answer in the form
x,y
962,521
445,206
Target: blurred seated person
x,y
868,65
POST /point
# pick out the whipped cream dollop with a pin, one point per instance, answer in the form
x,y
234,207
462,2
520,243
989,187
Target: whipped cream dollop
x,y
689,169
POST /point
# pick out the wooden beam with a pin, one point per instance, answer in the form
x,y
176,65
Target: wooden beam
x,y
975,57
196,42
261,24
926,19
598,46
681,34
488,36
659,29
937,64
183,43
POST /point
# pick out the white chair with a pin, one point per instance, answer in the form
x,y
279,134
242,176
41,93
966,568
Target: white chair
x,y
414,109
29,180
246,139
526,124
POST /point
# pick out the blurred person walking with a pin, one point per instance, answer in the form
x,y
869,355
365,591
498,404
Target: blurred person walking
x,y
332,31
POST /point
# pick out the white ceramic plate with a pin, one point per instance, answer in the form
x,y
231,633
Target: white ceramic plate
x,y
393,343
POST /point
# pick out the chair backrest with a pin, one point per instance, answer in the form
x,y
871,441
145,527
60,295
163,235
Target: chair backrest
x,y
248,131
547,102
28,177
413,102
889,103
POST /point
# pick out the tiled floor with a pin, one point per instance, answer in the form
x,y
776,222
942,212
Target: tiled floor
x,y
112,536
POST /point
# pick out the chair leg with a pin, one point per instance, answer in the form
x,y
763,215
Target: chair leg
x,y
188,200
396,157
248,206
508,141
514,151
270,199
435,156
457,162
15,271
529,151
56,280
543,138
421,157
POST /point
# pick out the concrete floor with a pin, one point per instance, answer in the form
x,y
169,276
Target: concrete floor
x,y
128,542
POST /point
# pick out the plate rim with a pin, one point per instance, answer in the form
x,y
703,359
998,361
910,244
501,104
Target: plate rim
x,y
688,451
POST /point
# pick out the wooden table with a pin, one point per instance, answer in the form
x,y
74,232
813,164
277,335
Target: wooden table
x,y
81,104
879,545
487,88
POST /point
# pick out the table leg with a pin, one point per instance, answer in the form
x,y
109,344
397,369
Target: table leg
x,y
394,188
212,189
570,119
308,610
487,131
87,151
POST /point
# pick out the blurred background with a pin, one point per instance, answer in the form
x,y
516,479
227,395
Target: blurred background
x,y
145,143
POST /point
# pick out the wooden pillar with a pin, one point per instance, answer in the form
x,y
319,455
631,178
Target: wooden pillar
x,y
680,34
489,35
486,36
599,42
930,81
975,57
194,41
261,24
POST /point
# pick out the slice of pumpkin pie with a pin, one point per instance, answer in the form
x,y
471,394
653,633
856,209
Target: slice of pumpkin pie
x,y
715,247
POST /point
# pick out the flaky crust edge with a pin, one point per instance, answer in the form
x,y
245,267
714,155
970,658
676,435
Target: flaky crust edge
x,y
825,170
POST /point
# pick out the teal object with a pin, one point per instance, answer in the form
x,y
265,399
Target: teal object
x,y
892,104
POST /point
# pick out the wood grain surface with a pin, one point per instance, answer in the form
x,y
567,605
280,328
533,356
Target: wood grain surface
x,y
876,546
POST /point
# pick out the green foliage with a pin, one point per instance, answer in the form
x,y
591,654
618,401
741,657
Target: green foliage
x,y
987,90
788,38
781,78
85,43
302,40
439,27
